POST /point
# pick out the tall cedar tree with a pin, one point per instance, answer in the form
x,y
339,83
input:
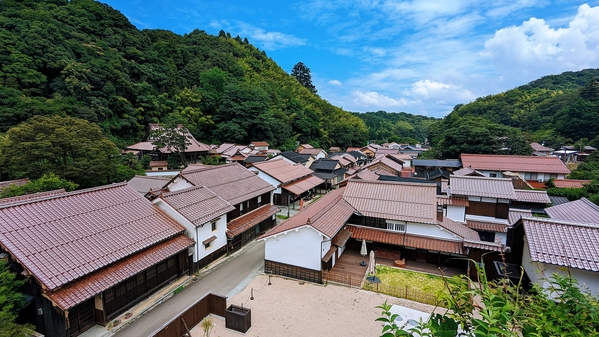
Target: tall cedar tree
x,y
302,74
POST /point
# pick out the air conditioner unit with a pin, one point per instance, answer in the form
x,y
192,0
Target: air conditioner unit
x,y
541,180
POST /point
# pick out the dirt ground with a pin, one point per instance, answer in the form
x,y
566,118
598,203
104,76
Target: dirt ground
x,y
293,308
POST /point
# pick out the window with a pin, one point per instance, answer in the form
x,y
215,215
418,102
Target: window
x,y
487,236
214,226
241,208
259,200
394,226
493,175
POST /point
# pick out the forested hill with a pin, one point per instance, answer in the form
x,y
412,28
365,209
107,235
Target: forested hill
x,y
558,109
83,59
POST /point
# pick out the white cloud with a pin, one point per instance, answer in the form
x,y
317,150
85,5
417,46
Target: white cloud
x,y
441,92
335,82
258,36
534,49
375,100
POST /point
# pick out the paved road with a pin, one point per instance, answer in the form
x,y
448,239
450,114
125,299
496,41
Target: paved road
x,y
226,278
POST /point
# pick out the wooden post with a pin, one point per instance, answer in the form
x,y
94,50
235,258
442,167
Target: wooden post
x,y
406,292
186,328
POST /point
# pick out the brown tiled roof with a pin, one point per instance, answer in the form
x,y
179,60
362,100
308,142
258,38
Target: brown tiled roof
x,y
516,214
443,200
158,163
581,210
208,240
62,238
562,243
224,147
407,240
18,182
20,198
539,197
492,162
459,229
402,157
307,146
416,202
540,148
197,204
232,182
492,246
486,226
96,282
501,188
327,215
143,184
300,186
142,146
260,144
282,170
249,220
233,150
390,163
311,151
467,171
570,183
366,174
383,150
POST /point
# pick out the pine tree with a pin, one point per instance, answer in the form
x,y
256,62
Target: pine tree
x,y
302,74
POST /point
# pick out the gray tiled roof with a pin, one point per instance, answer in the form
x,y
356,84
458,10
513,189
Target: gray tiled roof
x,y
534,196
197,204
581,210
562,243
495,162
482,187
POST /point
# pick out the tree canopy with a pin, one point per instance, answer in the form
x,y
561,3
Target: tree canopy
x,y
302,74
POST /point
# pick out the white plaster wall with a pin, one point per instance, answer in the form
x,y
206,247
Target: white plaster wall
x,y
205,231
486,219
275,183
429,230
298,248
189,227
456,213
179,184
538,271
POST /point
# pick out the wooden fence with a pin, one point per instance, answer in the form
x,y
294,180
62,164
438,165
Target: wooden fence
x,y
351,281
192,315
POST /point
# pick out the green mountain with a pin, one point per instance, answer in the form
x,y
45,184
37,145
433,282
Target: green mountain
x,y
81,58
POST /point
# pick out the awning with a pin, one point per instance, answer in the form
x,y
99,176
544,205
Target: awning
x,y
330,253
341,238
251,219
300,186
406,240
208,240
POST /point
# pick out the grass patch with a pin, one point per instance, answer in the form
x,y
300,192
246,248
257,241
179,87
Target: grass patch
x,y
416,286
177,290
280,216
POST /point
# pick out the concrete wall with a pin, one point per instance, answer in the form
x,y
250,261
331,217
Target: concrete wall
x,y
179,184
275,183
456,213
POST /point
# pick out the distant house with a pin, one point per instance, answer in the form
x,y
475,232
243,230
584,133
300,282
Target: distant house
x,y
541,150
546,246
193,151
570,183
329,170
91,254
7,183
386,165
530,168
250,197
290,181
158,165
259,146
467,171
295,158
334,149
145,184
422,166
316,153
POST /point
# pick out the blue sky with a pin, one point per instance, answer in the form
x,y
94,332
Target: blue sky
x,y
421,57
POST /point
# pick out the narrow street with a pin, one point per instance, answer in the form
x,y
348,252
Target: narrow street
x,y
225,278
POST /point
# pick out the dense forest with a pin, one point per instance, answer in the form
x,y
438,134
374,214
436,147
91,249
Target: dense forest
x,y
83,59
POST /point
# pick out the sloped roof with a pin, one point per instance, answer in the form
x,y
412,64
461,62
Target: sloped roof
x,y
383,150
514,163
296,157
437,162
260,144
233,150
459,229
327,215
95,283
312,151
282,170
249,220
452,201
501,188
324,164
224,147
555,200
391,200
581,210
62,238
562,243
392,164
143,184
535,196
570,183
467,171
29,197
302,185
486,226
540,148
197,204
516,214
17,182
407,240
232,182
